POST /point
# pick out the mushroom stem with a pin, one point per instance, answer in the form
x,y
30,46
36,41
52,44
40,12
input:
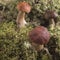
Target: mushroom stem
x,y
21,19
52,24
40,47
37,46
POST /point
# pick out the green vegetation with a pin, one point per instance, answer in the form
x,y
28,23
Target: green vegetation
x,y
14,42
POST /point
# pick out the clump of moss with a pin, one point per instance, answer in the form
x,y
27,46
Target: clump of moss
x,y
13,42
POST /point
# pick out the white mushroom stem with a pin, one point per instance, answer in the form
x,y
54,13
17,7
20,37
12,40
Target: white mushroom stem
x,y
37,46
21,19
40,47
52,24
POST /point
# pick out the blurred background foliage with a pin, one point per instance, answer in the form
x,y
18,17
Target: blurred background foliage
x,y
14,44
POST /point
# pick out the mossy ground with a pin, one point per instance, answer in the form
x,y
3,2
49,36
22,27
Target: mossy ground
x,y
14,42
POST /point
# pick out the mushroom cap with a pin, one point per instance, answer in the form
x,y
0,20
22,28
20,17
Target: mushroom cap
x,y
39,35
49,14
24,6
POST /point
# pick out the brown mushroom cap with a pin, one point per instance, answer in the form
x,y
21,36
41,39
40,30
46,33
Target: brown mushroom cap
x,y
49,14
39,35
24,6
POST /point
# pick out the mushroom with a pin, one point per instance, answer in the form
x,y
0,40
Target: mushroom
x,y
39,36
51,15
23,7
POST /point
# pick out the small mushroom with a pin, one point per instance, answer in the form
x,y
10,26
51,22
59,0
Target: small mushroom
x,y
39,36
23,7
51,15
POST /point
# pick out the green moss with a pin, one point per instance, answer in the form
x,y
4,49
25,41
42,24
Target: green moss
x,y
14,42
